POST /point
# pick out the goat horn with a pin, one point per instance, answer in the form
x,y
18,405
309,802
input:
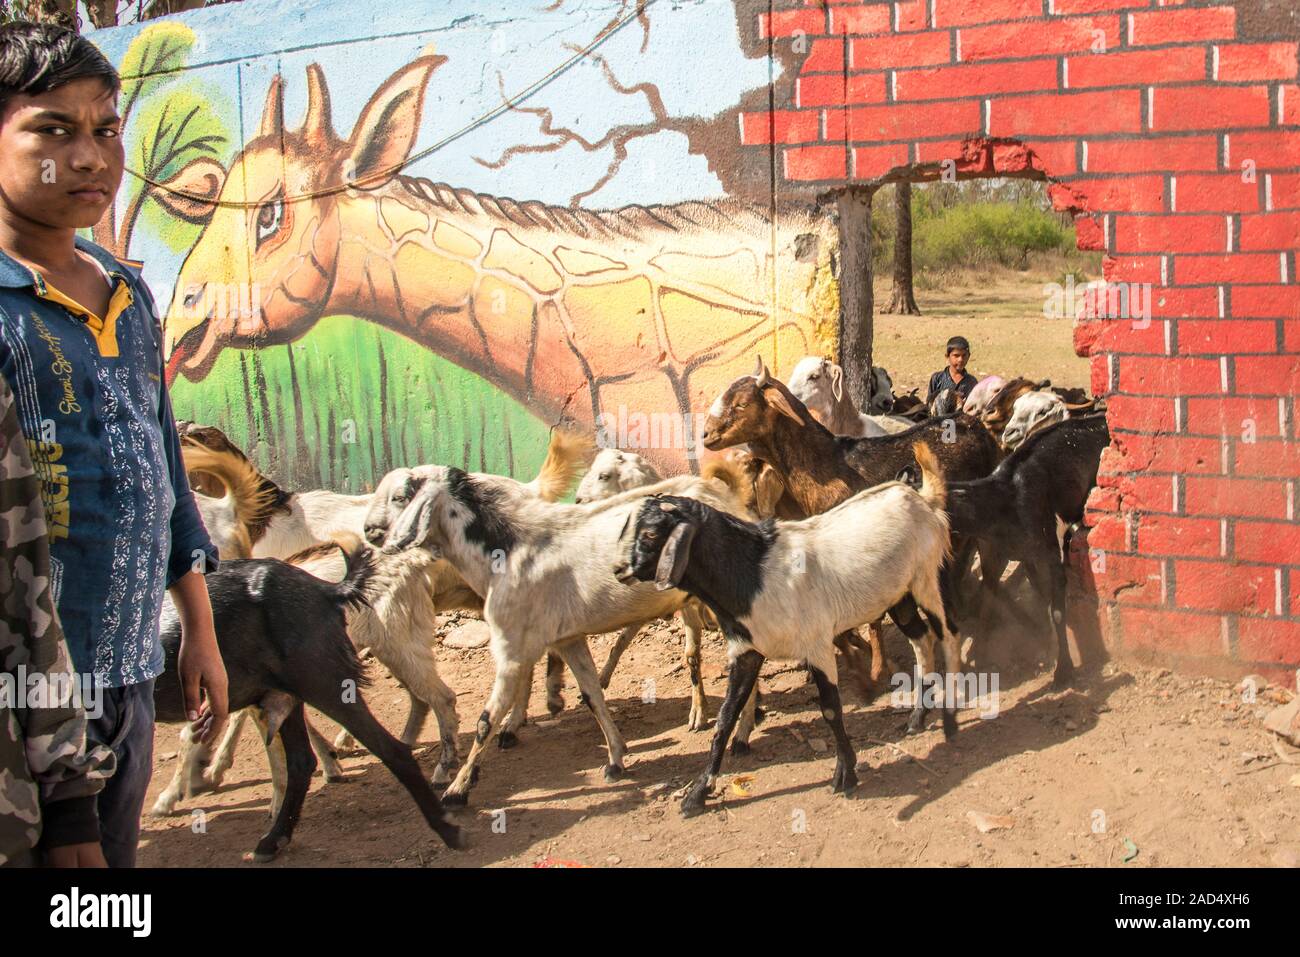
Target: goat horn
x,y
760,372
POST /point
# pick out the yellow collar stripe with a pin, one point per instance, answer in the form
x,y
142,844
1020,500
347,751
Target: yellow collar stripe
x,y
104,330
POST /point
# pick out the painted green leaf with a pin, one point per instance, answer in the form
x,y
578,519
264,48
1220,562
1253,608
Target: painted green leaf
x,y
152,59
176,129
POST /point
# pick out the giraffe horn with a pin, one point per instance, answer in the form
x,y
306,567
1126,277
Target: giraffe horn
x,y
273,112
317,126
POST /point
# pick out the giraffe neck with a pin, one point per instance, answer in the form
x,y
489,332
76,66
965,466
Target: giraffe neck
x,y
580,314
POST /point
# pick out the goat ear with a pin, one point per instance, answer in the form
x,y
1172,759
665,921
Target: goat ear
x,y
413,526
781,404
837,381
672,560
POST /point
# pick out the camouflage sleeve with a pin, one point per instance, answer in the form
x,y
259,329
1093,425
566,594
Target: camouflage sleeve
x,y
52,735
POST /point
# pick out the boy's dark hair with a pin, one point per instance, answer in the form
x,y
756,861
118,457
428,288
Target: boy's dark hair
x,y
38,57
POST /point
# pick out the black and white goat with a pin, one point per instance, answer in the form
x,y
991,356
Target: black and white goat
x,y
282,636
786,589
545,573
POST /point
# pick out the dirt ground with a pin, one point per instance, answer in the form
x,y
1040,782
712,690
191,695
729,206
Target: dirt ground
x,y
1000,312
1133,768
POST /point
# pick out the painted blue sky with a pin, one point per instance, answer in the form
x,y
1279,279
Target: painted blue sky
x,y
693,56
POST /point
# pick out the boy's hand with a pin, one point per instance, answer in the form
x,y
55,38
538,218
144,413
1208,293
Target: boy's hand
x,y
199,660
76,855
201,667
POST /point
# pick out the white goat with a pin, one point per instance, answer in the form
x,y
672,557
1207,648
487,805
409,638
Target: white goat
x,y
1031,412
786,589
982,395
546,574
819,384
614,471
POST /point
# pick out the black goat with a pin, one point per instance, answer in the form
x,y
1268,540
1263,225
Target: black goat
x,y
284,640
1012,513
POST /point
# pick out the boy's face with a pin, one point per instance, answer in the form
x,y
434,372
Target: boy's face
x,y
61,155
957,360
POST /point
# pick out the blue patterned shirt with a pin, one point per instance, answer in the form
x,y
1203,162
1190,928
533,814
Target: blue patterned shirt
x,y
92,402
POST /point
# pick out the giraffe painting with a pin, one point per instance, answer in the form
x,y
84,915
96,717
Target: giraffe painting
x,y
577,313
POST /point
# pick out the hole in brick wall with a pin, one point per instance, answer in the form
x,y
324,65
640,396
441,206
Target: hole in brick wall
x,y
991,260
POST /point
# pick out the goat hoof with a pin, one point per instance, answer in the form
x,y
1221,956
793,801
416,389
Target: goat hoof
x,y
1063,678
844,782
949,727
267,850
554,706
507,740
740,748
454,800
759,715
452,836
614,772
693,805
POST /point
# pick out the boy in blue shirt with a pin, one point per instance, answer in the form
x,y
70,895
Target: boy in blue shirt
x,y
80,344
953,376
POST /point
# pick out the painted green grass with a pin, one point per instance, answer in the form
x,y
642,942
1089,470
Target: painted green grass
x,y
350,401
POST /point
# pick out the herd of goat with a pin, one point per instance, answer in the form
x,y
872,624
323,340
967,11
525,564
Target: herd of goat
x,y
818,519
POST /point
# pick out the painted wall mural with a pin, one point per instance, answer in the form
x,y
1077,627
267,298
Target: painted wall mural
x,y
483,219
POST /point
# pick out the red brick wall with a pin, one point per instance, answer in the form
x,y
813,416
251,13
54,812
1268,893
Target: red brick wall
x,y
1172,131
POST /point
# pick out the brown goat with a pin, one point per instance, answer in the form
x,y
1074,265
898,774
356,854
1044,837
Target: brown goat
x,y
821,470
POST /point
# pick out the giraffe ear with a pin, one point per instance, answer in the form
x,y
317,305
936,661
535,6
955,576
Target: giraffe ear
x,y
389,124
273,113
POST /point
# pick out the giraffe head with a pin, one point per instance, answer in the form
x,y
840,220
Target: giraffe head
x,y
262,270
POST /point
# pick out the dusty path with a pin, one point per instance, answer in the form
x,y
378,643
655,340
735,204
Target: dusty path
x,y
1162,765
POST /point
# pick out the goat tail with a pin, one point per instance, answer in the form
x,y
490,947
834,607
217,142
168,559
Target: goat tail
x,y
933,488
354,590
252,500
567,455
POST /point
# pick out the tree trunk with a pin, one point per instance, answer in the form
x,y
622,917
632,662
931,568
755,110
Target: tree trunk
x,y
62,12
854,207
103,13
163,8
903,301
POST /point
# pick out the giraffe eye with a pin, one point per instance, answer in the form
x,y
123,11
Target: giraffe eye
x,y
270,216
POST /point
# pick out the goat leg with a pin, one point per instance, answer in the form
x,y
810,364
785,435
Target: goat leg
x,y
577,655
745,724
397,757
329,758
181,784
509,736
624,639
740,684
300,765
554,683
504,691
698,719
224,757
845,778
907,618
1064,675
